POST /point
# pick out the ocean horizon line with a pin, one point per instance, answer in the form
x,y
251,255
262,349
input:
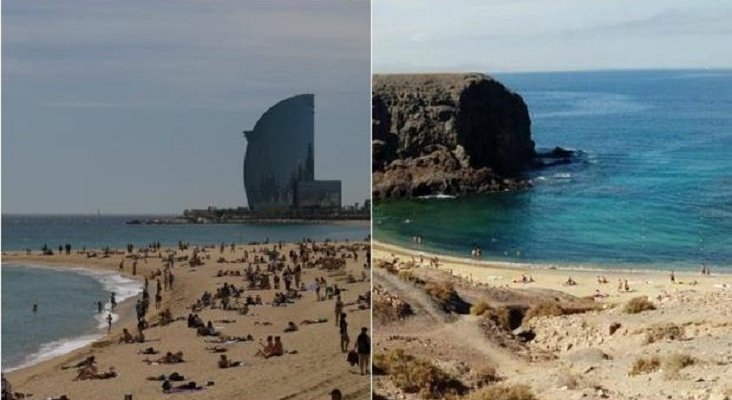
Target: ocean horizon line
x,y
558,71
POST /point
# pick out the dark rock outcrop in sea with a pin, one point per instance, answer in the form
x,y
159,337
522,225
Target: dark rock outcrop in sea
x,y
448,134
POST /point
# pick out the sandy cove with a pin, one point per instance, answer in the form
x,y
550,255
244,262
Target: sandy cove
x,y
554,276
575,356
316,367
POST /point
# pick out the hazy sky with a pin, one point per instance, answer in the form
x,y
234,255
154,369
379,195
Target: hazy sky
x,y
138,106
549,35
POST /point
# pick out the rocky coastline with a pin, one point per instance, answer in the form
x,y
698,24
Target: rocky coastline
x,y
451,134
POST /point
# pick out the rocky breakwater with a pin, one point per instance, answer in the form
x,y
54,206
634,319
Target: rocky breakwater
x,y
448,134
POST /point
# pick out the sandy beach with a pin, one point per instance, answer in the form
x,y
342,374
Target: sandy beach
x,y
535,333
311,367
483,270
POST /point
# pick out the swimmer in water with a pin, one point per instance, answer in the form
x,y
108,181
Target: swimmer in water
x,y
35,307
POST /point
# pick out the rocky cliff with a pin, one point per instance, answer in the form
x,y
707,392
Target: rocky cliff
x,y
448,134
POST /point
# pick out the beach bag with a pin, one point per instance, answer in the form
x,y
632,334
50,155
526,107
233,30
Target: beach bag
x,y
352,358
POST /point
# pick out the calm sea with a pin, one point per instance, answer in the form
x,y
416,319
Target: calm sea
x,y
66,318
652,188
33,231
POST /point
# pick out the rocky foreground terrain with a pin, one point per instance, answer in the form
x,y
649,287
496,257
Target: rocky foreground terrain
x,y
442,336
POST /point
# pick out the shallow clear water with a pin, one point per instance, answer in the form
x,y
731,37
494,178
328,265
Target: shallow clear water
x,y
652,189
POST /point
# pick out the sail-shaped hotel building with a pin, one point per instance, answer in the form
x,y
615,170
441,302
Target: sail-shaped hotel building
x,y
279,163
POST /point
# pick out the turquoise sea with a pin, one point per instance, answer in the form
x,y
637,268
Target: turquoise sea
x,y
652,186
67,313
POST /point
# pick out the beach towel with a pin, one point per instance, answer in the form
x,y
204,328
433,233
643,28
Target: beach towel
x,y
184,390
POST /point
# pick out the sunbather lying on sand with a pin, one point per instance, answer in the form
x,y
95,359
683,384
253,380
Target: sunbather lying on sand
x,y
168,358
172,377
313,321
90,372
217,349
186,387
223,339
81,364
148,350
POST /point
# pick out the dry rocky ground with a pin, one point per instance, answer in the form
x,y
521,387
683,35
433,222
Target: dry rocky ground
x,y
461,339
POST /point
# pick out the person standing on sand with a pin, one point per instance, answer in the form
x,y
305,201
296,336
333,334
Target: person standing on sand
x,y
338,309
140,310
109,323
673,278
134,268
158,300
344,333
363,348
298,274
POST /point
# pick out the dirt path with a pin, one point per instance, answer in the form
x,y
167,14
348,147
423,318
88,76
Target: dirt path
x,y
460,329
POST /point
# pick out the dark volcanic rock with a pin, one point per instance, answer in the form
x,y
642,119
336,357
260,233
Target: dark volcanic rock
x,y
440,171
447,133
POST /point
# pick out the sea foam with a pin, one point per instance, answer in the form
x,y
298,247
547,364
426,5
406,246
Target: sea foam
x,y
123,287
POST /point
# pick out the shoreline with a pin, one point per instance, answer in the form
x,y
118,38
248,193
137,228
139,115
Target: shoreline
x,y
652,283
66,345
521,266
